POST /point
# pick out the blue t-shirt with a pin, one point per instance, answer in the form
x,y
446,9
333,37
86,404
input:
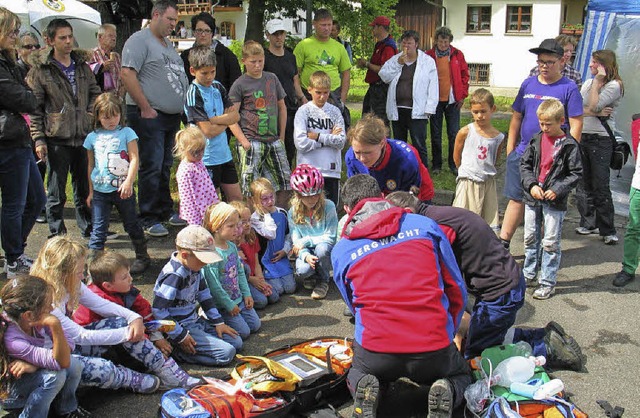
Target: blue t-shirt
x,y
532,93
203,103
111,159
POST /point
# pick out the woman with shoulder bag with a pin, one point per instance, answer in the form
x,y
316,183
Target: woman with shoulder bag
x,y
22,190
601,96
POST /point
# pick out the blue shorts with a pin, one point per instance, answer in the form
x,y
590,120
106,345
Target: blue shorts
x,y
513,183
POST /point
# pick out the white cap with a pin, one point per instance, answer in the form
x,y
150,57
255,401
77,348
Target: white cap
x,y
197,239
274,26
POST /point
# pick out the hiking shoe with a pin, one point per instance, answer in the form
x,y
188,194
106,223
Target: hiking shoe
x,y
610,239
156,230
320,291
22,265
530,282
78,413
365,402
309,283
176,220
440,399
544,292
583,230
140,265
623,278
563,351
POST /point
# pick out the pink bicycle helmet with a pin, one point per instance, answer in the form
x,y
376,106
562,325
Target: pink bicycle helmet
x,y
307,180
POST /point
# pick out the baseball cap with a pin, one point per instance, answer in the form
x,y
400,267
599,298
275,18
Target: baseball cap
x,y
380,21
548,46
274,25
197,239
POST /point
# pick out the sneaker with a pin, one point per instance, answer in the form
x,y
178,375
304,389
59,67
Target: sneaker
x,y
347,311
440,399
173,376
365,402
530,282
610,239
309,283
22,265
42,218
111,235
563,351
175,220
583,230
156,230
78,413
623,278
544,292
320,291
144,383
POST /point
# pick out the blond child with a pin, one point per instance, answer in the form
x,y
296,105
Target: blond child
x,y
313,222
475,153
270,223
319,134
112,154
195,187
249,249
259,98
226,279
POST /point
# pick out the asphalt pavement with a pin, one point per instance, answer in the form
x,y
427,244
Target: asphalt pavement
x,y
600,316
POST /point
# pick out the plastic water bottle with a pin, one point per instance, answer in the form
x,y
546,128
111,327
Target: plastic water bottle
x,y
515,369
522,349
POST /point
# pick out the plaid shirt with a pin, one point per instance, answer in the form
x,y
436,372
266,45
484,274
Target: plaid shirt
x,y
99,57
568,71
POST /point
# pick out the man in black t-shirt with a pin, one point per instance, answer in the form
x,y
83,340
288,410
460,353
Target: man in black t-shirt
x,y
281,61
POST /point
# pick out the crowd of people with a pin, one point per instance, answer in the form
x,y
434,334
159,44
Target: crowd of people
x,y
255,226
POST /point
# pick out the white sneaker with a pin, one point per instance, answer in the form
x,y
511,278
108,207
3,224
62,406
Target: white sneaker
x,y
611,239
582,230
22,265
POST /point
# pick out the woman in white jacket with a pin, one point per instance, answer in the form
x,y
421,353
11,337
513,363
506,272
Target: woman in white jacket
x,y
413,92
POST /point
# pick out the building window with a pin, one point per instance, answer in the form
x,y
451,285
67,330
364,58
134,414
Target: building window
x,y
480,74
228,29
478,19
519,19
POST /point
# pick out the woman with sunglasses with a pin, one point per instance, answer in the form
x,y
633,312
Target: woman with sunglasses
x,y
20,183
28,43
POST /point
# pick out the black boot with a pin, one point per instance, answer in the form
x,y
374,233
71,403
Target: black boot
x,y
142,261
92,255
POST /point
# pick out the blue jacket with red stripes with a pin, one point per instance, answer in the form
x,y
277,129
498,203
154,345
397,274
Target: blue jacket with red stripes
x,y
397,273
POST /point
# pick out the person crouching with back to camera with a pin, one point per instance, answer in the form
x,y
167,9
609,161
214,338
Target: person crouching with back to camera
x,y
550,167
313,222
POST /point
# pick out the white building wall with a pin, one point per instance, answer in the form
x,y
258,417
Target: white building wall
x,y
508,54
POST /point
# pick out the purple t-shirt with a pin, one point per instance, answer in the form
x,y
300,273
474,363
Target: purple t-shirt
x,y
32,349
532,93
70,73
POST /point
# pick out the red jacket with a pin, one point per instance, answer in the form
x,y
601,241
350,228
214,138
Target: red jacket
x,y
459,72
132,300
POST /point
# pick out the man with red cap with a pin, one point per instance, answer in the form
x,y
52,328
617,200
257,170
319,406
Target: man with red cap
x,y
375,100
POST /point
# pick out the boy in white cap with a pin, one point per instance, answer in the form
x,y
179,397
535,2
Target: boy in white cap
x,y
177,292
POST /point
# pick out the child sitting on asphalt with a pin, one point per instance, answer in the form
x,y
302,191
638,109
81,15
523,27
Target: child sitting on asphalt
x,y
313,222
111,280
270,222
226,279
179,289
549,168
249,249
477,148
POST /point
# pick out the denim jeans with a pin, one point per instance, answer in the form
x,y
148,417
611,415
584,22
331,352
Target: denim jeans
x,y
143,351
260,300
210,350
593,192
451,113
62,160
246,322
23,198
156,139
101,209
323,266
285,284
416,127
35,392
542,249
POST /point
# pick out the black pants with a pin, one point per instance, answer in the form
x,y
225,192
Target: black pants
x,y
375,101
332,190
417,128
422,368
289,144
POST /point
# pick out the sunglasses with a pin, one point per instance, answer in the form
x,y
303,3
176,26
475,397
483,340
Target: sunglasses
x,y
31,46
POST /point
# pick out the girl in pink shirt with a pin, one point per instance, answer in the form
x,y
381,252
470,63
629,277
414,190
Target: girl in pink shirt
x,y
195,187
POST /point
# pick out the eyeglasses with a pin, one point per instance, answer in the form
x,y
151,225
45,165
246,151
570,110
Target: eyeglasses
x,y
197,153
267,198
31,46
203,31
546,63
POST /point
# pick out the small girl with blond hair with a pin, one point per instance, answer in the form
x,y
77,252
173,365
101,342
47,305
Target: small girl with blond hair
x,y
61,263
249,249
195,187
226,279
313,222
270,222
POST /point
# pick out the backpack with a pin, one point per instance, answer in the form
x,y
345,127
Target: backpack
x,y
175,403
